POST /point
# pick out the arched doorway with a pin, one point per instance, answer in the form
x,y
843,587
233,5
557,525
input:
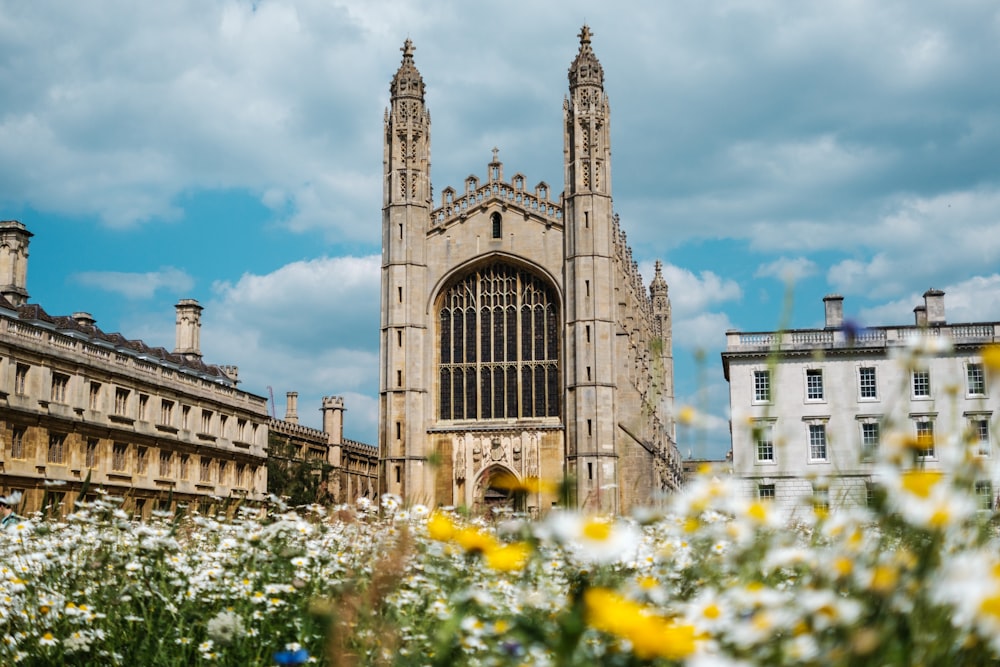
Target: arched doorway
x,y
496,492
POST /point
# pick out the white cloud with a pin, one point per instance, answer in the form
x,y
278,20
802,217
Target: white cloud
x,y
309,327
976,299
926,240
691,293
136,285
787,269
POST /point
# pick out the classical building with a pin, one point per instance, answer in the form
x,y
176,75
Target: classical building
x,y
82,410
810,406
518,340
346,469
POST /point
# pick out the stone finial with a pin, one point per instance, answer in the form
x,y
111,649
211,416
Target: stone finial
x,y
586,69
658,286
188,330
407,82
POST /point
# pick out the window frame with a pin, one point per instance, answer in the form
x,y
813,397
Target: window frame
x,y
60,387
21,379
816,438
869,447
119,457
920,379
56,452
761,385
763,445
864,386
979,369
766,491
17,443
122,395
924,428
815,389
986,500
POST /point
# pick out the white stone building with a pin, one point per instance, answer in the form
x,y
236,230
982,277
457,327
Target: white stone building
x,y
518,340
82,410
810,405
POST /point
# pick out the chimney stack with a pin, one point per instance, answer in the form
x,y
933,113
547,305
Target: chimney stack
x,y
14,240
834,306
188,328
920,316
84,319
292,407
934,303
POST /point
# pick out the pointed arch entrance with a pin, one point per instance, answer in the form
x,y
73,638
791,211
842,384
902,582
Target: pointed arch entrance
x,y
496,489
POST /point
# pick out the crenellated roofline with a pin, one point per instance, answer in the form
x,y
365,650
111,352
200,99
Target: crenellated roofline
x,y
512,195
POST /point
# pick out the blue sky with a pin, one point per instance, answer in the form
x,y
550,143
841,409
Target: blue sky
x,y
231,152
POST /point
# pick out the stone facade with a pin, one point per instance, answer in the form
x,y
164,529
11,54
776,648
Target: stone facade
x,y
81,409
810,405
518,340
349,469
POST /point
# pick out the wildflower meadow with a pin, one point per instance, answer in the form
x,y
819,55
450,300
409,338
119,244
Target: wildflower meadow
x,y
705,577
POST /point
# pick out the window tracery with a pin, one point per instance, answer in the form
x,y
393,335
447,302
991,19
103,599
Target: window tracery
x,y
499,348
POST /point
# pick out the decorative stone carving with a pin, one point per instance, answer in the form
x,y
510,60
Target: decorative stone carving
x,y
459,444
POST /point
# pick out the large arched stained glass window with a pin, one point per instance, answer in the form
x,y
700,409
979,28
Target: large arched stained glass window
x,y
499,352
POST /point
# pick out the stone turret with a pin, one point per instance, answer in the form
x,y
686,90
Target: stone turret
x,y
188,328
333,419
14,240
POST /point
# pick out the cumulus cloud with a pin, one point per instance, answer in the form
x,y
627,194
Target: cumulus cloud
x,y
924,239
787,269
136,285
976,299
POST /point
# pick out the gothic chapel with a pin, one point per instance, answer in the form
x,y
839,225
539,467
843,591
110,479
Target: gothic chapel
x,y
518,342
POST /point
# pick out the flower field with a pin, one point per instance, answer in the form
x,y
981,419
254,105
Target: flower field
x,y
709,578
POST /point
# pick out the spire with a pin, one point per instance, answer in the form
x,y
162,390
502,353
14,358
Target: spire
x,y
586,70
407,82
658,287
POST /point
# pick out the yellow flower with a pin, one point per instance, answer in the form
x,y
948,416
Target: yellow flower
x,y
508,557
597,530
991,356
920,482
440,527
474,540
843,566
884,579
651,636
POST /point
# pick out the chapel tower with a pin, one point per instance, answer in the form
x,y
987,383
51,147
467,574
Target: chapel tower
x,y
403,381
592,451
